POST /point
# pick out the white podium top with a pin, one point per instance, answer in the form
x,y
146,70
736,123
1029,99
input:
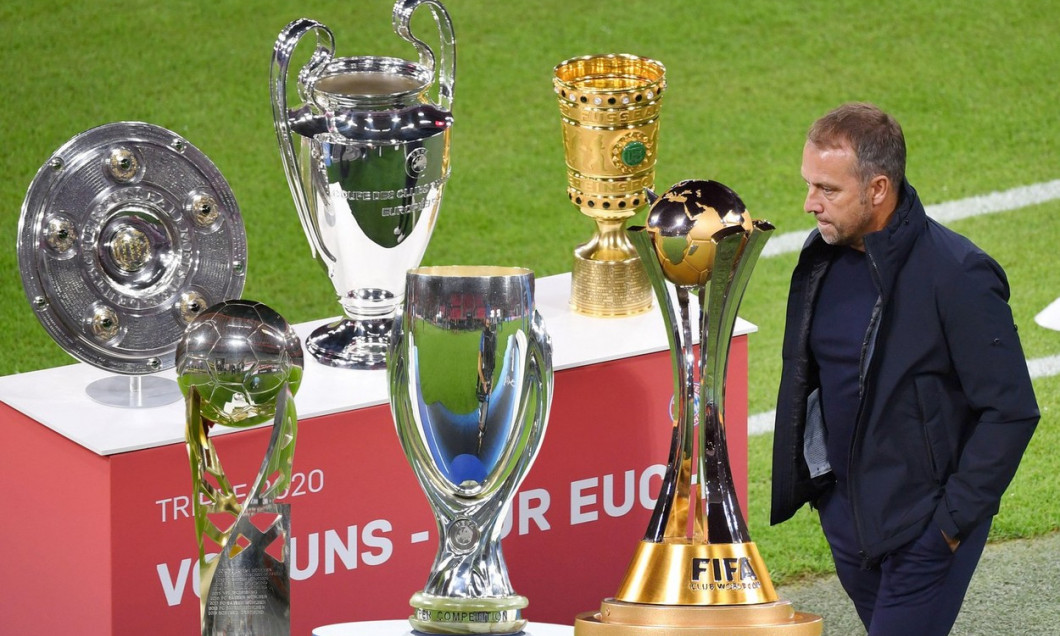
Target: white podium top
x,y
56,397
402,628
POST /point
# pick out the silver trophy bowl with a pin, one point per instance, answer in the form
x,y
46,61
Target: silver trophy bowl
x,y
470,374
367,158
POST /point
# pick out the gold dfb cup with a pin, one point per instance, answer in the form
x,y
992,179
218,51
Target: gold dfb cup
x,y
610,111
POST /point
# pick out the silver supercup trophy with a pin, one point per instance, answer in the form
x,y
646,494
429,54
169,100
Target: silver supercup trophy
x,y
366,172
470,374
239,364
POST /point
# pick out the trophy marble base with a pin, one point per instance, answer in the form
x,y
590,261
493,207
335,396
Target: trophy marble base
x,y
446,615
616,618
351,344
604,289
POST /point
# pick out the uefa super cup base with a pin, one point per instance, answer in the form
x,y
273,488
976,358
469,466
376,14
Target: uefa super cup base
x,y
617,618
447,615
351,344
609,289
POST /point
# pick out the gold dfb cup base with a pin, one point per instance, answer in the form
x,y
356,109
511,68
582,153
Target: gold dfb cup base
x,y
616,618
609,289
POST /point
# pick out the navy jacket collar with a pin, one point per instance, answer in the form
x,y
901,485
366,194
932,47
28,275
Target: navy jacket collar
x,y
889,247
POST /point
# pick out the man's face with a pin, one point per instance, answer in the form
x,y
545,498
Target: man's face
x,y
836,197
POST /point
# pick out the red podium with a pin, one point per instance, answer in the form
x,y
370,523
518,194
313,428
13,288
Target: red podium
x,y
98,534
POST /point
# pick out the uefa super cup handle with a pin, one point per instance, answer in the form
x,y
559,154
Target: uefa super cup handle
x,y
398,380
396,377
446,58
540,351
278,71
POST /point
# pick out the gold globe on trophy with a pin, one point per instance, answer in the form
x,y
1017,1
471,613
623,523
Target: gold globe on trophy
x,y
610,111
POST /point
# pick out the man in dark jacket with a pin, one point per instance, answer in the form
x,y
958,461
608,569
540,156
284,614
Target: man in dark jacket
x,y
905,402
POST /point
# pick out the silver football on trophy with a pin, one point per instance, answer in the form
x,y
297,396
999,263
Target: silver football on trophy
x,y
239,354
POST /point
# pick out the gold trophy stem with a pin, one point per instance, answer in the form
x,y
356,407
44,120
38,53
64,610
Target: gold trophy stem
x,y
608,279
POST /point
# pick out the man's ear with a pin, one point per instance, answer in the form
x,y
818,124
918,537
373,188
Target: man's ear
x,y
879,189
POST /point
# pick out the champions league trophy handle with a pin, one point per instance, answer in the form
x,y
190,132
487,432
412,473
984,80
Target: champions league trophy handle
x,y
446,57
281,59
322,56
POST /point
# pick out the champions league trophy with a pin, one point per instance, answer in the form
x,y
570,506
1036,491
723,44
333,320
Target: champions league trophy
x,y
239,364
368,176
470,374
697,568
127,233
610,110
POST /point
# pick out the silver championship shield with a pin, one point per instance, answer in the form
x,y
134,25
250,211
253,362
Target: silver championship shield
x,y
239,364
127,233
367,159
470,374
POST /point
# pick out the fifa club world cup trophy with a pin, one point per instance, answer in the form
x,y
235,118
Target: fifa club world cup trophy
x,y
610,112
470,373
697,568
239,364
367,158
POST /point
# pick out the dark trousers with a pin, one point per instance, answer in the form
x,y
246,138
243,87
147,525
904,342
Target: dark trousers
x,y
916,589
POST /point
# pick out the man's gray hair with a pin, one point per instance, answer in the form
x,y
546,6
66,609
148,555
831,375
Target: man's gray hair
x,y
875,137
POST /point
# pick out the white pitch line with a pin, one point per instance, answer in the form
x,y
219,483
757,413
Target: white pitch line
x,y
947,212
1046,367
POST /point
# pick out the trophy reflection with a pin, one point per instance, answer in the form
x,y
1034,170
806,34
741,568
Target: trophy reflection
x,y
697,566
366,158
239,364
470,374
610,112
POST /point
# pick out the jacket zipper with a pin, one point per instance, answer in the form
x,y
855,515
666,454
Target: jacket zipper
x,y
868,346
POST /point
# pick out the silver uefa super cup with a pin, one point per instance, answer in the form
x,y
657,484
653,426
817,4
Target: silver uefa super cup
x,y
367,158
470,373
